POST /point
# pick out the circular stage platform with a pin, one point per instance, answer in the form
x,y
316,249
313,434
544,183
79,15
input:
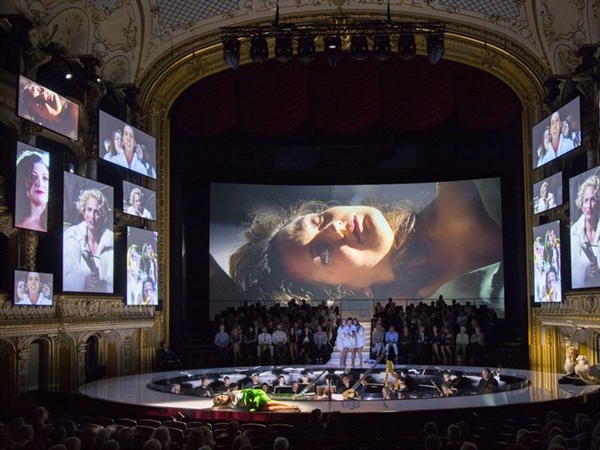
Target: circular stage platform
x,y
516,387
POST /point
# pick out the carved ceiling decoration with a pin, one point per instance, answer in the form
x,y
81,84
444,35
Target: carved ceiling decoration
x,y
130,38
175,14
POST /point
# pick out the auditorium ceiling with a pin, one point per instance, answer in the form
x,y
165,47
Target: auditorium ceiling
x,y
133,38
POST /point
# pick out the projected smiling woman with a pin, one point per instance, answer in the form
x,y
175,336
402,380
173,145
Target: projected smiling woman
x,y
88,247
453,247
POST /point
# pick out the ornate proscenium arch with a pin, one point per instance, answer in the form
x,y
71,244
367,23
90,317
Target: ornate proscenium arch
x,y
173,73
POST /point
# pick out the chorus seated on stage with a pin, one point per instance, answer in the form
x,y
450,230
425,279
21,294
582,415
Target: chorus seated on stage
x,y
417,382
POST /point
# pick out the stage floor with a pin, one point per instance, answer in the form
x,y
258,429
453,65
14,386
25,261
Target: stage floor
x,y
152,390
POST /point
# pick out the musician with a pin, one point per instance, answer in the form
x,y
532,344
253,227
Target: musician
x,y
224,386
362,385
280,382
387,393
447,384
488,383
254,383
346,383
204,390
398,388
295,388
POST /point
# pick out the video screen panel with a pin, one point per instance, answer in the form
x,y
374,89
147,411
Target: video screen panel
x,y
381,251
33,288
47,108
548,193
32,188
88,240
584,193
126,146
557,134
547,279
139,201
142,267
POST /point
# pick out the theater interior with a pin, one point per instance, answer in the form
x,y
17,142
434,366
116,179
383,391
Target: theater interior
x,y
222,107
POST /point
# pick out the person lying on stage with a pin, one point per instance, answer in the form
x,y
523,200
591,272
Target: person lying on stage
x,y
251,400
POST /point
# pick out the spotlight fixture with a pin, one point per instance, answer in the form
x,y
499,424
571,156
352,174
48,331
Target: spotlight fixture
x,y
306,49
283,49
407,47
359,32
333,50
359,48
435,47
259,49
382,48
552,90
231,51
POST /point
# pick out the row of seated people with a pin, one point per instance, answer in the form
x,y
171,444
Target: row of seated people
x,y
428,344
551,430
274,345
239,332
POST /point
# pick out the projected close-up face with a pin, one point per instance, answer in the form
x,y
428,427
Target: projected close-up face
x,y
21,289
555,125
589,202
347,245
92,214
128,139
34,284
117,141
46,103
410,241
38,184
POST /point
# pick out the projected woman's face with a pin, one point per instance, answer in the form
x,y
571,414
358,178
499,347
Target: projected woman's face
x,y
555,125
37,183
33,283
590,201
21,289
128,139
92,215
44,102
346,245
118,142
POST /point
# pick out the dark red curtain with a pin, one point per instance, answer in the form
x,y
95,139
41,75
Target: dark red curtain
x,y
274,99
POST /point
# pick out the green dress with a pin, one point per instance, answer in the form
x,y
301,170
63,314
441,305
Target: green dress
x,y
252,399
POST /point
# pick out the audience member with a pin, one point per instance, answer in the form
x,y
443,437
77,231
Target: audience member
x,y
221,343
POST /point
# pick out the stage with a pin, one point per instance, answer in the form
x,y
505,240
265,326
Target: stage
x,y
516,387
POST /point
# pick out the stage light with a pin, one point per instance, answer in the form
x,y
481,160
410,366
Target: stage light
x,y
306,49
358,32
359,48
552,90
283,49
259,49
382,48
333,50
231,52
435,47
407,47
